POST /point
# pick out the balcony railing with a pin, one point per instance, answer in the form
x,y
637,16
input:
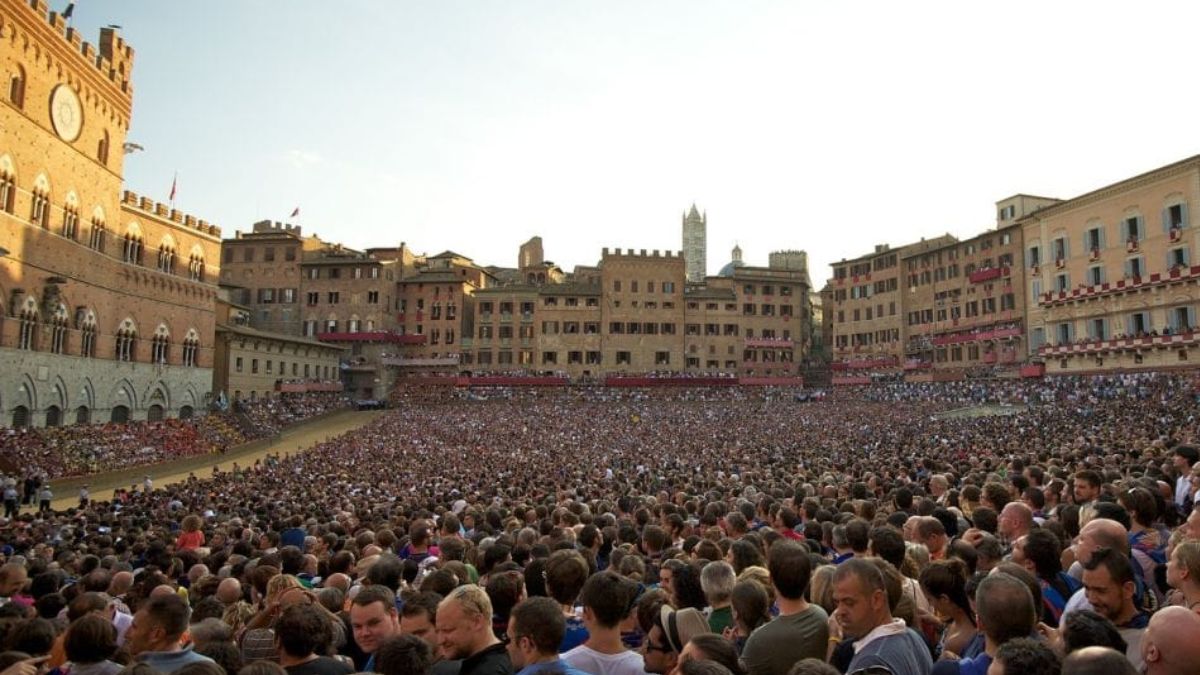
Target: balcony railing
x,y
995,334
372,336
782,343
1178,274
1120,344
980,276
413,362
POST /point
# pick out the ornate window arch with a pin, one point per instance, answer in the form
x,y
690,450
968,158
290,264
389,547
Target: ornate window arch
x,y
58,330
99,233
126,341
132,250
8,184
27,332
166,255
39,213
196,264
70,226
160,345
191,348
85,321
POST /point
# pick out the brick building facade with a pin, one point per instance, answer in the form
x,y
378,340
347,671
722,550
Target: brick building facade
x,y
106,297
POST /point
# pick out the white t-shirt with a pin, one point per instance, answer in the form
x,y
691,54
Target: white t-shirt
x,y
589,660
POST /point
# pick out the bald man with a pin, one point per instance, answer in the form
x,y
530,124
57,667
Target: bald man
x,y
120,584
1097,661
1098,533
229,591
1016,520
1170,645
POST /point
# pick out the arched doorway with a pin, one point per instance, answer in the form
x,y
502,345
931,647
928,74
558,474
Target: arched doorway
x,y
53,416
186,412
20,417
120,414
155,413
83,415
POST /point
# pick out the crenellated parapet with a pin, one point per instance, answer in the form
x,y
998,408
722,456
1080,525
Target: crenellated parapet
x,y
130,198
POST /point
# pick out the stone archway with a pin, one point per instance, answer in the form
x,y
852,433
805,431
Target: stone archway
x,y
120,414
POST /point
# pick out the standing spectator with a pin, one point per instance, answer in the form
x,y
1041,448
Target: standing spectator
x,y
1025,656
1171,644
802,629
154,636
535,629
717,580
607,599
863,613
464,626
374,619
90,644
1006,612
1108,580
303,636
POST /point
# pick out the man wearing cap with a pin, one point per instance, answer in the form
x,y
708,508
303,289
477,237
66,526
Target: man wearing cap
x,y
801,630
1185,457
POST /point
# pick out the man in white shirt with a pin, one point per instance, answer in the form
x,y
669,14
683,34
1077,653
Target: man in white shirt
x,y
1185,457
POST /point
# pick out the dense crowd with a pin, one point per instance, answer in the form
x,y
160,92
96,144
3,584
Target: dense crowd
x,y
653,531
32,456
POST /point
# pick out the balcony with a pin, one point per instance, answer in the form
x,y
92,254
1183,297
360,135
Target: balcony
x,y
1092,347
372,336
1095,255
1034,270
527,317
978,336
506,317
1060,262
917,364
988,274
1176,275
1176,234
776,343
414,362
1131,245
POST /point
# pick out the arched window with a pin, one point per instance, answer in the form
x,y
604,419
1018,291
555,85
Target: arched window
x,y
8,189
132,250
58,331
16,88
70,228
28,330
86,322
166,258
160,345
39,213
102,149
196,267
126,342
191,348
97,236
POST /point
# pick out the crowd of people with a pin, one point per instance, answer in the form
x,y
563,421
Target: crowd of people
x,y
652,532
49,453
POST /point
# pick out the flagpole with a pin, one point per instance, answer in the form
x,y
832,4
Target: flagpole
x,y
174,184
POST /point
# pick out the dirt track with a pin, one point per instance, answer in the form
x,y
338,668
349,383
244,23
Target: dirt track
x,y
296,439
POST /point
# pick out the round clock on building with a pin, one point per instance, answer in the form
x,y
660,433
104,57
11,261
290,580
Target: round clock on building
x,y
65,113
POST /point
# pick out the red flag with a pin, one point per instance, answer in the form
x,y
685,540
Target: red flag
x,y
295,212
174,181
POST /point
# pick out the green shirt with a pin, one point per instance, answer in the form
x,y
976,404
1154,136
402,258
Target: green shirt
x,y
720,619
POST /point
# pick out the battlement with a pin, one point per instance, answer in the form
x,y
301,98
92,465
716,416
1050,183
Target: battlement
x,y
268,226
631,253
130,198
113,59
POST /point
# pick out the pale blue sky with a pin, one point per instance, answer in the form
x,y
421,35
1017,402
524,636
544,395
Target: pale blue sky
x,y
472,126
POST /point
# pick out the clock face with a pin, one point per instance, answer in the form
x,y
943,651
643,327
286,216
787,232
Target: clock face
x,y
65,113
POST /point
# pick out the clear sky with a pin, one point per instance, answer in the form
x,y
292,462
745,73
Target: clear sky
x,y
472,126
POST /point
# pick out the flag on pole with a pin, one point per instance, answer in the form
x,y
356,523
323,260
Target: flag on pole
x,y
295,212
174,184
69,10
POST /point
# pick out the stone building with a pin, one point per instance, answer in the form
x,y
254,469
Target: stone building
x,y
254,364
1110,279
964,308
106,297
